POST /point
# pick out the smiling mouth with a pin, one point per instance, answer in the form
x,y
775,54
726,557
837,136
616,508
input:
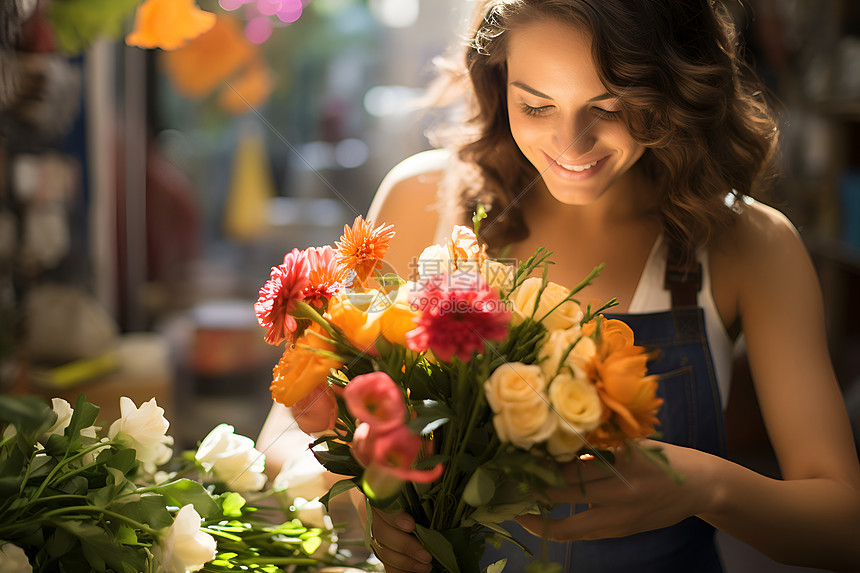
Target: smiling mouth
x,y
577,168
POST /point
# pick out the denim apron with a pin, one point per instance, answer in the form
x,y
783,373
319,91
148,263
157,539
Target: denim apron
x,y
691,416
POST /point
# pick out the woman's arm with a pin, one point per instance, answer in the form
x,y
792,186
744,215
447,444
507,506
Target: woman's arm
x,y
812,516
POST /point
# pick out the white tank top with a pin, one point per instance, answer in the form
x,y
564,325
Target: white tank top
x,y
651,296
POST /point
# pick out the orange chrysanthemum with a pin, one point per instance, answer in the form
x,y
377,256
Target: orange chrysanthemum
x,y
167,24
361,248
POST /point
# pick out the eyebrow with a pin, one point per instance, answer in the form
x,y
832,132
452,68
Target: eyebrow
x,y
540,94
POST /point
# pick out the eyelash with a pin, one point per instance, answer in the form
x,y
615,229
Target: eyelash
x,y
601,113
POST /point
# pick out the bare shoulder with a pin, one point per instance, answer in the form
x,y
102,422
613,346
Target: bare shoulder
x,y
408,198
766,259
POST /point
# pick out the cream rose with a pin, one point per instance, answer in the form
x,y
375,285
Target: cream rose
x,y
576,401
302,476
564,444
526,423
498,275
513,383
556,346
525,296
434,260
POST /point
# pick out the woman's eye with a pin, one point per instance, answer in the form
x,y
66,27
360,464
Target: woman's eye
x,y
534,111
607,114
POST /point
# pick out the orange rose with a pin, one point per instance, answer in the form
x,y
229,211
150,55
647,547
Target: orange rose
x,y
357,315
463,247
397,319
301,369
614,335
627,391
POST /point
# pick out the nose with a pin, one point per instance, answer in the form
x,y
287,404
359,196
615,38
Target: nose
x,y
576,135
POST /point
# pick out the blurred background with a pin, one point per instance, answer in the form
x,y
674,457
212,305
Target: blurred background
x,y
146,192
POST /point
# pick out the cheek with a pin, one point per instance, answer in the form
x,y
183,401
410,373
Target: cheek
x,y
524,131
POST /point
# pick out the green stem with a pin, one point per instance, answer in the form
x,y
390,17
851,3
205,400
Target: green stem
x,y
66,460
106,512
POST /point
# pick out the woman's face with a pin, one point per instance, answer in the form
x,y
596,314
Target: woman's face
x,y
561,117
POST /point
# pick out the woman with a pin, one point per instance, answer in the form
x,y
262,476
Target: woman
x,y
623,132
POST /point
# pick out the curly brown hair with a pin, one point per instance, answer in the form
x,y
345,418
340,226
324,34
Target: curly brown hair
x,y
685,94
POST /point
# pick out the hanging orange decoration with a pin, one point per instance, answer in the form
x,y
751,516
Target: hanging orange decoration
x,y
202,64
168,24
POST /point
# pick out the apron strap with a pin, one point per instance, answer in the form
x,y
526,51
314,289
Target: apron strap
x,y
683,278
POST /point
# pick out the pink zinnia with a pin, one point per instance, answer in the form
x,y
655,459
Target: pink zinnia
x,y
323,276
279,295
459,312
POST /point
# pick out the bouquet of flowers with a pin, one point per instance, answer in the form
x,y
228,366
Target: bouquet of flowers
x,y
76,495
457,396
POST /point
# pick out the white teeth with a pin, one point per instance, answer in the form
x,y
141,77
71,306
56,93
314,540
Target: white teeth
x,y
577,167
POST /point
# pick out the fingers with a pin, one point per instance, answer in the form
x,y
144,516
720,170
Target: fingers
x,y
394,544
596,523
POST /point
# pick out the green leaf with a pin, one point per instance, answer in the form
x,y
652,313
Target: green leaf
x,y
77,23
338,488
59,543
496,567
311,544
184,491
77,485
149,509
30,416
480,488
439,547
232,504
84,416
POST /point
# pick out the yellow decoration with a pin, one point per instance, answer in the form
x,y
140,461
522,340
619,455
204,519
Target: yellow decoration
x,y
251,188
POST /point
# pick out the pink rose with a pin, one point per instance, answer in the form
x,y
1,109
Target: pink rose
x,y
376,399
316,412
391,456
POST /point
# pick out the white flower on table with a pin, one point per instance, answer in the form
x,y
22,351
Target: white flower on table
x,y
144,430
232,459
64,413
302,477
13,559
185,548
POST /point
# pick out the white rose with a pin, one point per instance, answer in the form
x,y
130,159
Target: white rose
x,y
64,413
144,430
514,383
564,444
302,476
576,401
434,260
185,548
525,297
232,459
13,559
556,346
525,424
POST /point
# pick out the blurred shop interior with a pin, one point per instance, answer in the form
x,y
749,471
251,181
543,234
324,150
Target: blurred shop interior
x,y
145,193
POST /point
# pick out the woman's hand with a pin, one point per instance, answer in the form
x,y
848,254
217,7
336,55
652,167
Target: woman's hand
x,y
638,496
393,543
